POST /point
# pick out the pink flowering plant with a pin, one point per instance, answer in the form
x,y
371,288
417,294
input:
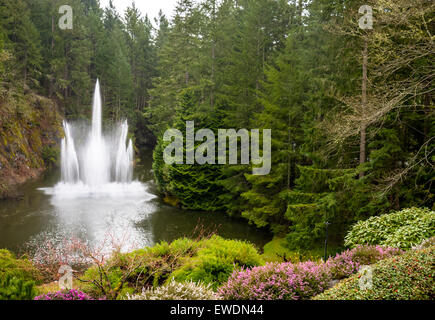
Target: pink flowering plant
x,y
288,281
348,262
72,294
283,281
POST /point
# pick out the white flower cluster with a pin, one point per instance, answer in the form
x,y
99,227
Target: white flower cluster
x,y
177,291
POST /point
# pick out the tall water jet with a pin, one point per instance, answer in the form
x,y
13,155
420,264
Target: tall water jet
x,y
69,162
124,157
96,162
97,112
90,163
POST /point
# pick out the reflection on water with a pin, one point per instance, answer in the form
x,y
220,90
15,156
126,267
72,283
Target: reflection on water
x,y
111,211
130,214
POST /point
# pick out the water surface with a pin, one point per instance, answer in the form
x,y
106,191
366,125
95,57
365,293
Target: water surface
x,y
131,219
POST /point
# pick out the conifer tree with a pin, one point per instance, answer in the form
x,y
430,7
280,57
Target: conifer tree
x,y
23,40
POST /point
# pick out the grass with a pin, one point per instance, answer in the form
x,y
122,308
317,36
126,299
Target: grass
x,y
276,251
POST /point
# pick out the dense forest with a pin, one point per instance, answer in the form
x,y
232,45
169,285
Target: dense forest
x,y
351,110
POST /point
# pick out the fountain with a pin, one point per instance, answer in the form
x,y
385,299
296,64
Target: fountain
x,y
92,166
94,162
97,199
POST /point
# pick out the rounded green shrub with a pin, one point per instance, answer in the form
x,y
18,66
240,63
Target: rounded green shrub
x,y
177,291
406,277
401,229
216,259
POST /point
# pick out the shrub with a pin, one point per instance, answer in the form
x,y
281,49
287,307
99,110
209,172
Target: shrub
x,y
177,291
50,155
49,254
210,260
22,269
64,295
406,277
401,229
216,260
276,281
12,288
348,262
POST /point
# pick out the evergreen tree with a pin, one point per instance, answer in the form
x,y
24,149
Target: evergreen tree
x,y
23,40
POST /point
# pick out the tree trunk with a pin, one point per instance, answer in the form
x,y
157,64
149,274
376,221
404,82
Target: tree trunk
x,y
51,88
213,55
288,148
301,11
362,144
25,70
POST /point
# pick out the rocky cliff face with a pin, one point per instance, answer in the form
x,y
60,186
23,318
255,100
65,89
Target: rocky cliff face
x,y
30,130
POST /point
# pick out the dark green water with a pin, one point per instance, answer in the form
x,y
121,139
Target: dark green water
x,y
39,218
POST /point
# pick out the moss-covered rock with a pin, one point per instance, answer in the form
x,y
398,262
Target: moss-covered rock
x,y
30,128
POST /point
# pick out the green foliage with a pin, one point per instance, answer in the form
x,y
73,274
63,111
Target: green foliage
x,y
50,155
289,66
12,288
22,40
316,199
196,187
401,229
63,64
264,64
406,277
214,263
11,267
209,71
17,277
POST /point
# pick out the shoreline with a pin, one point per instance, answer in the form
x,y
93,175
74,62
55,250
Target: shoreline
x,y
11,180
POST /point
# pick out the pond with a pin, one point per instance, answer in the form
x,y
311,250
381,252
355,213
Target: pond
x,y
130,220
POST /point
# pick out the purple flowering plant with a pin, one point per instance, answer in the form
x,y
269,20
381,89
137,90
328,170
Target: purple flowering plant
x,y
71,294
288,281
